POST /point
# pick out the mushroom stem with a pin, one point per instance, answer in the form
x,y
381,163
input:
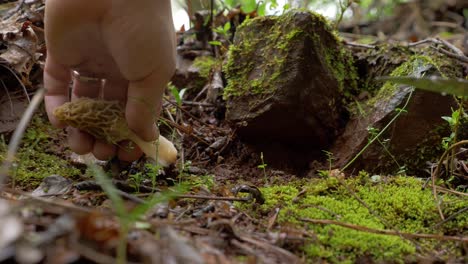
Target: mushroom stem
x,y
161,150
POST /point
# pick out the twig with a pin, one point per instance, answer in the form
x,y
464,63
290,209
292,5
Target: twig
x,y
182,129
271,247
452,47
94,255
50,202
457,53
436,173
359,45
193,103
207,197
8,95
19,131
19,80
445,190
385,232
461,58
194,117
424,41
451,217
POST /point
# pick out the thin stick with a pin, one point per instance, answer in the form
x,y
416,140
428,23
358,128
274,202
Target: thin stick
x,y
445,190
359,45
20,82
8,95
385,232
451,217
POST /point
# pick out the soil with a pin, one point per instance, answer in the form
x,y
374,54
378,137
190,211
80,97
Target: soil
x,y
228,199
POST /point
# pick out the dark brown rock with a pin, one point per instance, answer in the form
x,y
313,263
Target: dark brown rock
x,y
411,139
285,83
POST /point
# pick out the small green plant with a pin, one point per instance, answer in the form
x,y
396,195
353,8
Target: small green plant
x,y
263,166
184,170
343,5
136,180
323,173
223,30
373,132
454,122
372,139
329,158
178,95
153,172
207,181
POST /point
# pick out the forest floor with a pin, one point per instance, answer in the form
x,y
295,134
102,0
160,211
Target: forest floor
x,y
224,201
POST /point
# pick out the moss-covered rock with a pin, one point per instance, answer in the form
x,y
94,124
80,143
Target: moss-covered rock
x,y
412,120
286,79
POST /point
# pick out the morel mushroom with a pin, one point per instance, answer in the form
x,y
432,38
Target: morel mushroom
x,y
105,120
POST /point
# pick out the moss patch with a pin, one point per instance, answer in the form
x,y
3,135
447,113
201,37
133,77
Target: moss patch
x,y
35,159
397,203
204,65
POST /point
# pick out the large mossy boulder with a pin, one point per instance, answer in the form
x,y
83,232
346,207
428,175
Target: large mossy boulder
x,y
286,79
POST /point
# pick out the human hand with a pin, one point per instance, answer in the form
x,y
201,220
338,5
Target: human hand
x,y
130,44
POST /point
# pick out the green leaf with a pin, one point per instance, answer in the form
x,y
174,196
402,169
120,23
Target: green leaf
x,y
229,3
458,87
227,27
248,6
273,4
261,10
182,92
215,43
176,94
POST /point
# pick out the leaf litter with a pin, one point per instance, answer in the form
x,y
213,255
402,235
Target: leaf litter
x,y
222,219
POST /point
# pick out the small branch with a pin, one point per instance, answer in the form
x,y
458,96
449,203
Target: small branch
x,y
445,190
451,217
192,103
19,80
461,58
207,197
456,54
385,232
358,45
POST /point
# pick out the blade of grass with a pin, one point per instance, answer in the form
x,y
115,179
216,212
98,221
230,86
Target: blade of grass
x,y
458,87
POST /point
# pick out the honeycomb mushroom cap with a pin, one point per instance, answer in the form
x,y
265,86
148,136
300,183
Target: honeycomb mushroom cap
x,y
102,119
106,120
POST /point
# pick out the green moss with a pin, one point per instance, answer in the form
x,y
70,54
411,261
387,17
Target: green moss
x,y
411,67
33,166
340,61
397,203
35,160
204,65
